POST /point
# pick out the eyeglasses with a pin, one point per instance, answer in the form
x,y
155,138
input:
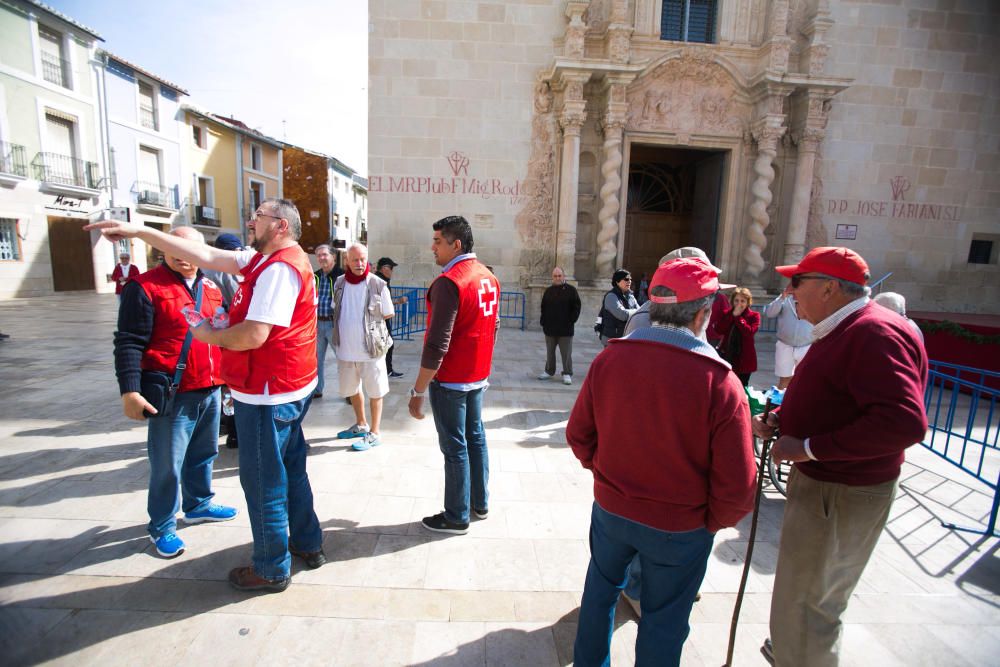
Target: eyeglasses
x,y
799,277
258,214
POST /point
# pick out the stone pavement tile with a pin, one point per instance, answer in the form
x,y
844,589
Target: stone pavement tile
x,y
346,555
976,644
386,514
449,645
505,486
562,563
87,500
718,608
369,643
915,645
399,561
338,511
419,483
63,591
507,565
45,545
511,460
529,521
302,640
231,639
24,628
542,487
570,520
347,602
709,642
452,562
483,605
546,606
403,604
516,644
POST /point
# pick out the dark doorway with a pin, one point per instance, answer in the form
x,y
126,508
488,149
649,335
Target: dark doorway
x,y
673,201
72,256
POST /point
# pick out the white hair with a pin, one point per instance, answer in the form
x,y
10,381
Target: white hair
x,y
358,246
893,301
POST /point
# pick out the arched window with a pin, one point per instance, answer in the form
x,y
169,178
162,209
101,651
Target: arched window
x,y
689,20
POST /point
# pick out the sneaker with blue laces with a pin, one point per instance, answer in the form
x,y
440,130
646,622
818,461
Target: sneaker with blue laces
x,y
168,545
368,441
211,513
353,432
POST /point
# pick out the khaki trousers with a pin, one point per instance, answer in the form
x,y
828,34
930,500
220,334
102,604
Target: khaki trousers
x,y
828,534
565,344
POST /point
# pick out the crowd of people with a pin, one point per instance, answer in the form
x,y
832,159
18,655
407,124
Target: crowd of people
x,y
670,469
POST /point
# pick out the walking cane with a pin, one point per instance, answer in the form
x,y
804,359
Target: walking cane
x,y
765,451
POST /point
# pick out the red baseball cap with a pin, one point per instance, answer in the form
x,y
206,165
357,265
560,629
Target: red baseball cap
x,y
841,263
690,278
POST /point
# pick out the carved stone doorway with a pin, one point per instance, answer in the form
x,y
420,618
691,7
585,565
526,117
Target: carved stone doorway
x,y
673,200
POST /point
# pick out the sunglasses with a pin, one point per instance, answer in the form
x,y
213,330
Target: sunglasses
x,y
799,277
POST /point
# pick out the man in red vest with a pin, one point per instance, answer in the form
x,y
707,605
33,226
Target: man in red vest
x,y
269,363
463,306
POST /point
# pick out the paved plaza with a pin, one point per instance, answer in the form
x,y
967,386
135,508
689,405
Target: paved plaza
x,y
80,583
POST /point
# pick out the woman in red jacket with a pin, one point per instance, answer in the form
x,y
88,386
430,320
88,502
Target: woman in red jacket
x,y
737,326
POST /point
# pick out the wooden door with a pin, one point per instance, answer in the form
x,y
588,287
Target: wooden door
x,y
72,256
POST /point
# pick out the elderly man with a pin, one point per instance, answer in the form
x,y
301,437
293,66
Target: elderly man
x,y
463,315
560,311
326,276
640,318
853,406
896,302
669,472
384,268
794,336
361,305
124,271
269,363
182,443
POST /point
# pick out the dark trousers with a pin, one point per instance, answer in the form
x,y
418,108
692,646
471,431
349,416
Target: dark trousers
x,y
565,344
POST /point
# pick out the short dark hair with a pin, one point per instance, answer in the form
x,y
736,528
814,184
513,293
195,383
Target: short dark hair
x,y
455,227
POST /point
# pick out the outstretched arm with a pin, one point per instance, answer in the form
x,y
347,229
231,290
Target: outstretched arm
x,y
200,254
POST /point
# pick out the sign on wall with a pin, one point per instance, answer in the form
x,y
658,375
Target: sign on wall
x,y
898,208
459,183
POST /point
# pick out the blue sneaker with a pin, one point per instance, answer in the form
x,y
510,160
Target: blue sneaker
x,y
211,513
367,441
168,545
353,432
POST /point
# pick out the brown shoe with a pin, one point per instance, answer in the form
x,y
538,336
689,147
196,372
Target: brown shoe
x,y
313,559
245,579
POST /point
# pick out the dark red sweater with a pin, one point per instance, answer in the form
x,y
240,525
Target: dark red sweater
x,y
679,460
858,396
745,326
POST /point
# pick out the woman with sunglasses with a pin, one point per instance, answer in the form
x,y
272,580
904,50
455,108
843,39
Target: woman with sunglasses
x,y
737,326
619,304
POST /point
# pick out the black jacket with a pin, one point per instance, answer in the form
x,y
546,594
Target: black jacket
x,y
560,310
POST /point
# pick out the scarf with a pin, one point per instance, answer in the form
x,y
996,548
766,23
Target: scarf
x,y
350,277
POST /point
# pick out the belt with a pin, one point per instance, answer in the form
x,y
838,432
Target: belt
x,y
325,318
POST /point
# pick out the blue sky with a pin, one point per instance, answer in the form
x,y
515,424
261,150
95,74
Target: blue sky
x,y
304,62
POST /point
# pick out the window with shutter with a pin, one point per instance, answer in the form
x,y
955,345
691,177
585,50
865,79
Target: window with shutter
x,y
688,20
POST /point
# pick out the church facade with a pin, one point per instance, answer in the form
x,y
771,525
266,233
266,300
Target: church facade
x,y
602,134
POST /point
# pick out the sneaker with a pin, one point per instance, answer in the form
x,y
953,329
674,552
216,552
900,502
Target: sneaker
x,y
353,432
313,559
567,379
767,651
634,603
367,441
245,579
395,374
211,513
481,514
544,376
168,545
439,524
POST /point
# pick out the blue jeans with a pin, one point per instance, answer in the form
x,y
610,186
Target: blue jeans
x,y
324,339
458,417
182,445
273,476
673,565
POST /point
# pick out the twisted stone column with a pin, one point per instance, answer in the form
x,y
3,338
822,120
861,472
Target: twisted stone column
x,y
795,242
607,217
767,148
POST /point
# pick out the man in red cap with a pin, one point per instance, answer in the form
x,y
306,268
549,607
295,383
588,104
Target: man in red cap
x,y
667,476
853,406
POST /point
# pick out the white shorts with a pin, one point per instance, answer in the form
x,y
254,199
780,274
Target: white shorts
x,y
369,375
786,358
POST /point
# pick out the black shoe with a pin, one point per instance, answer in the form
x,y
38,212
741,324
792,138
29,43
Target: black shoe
x,y
481,514
439,524
313,559
395,374
231,442
4,336
767,651
317,394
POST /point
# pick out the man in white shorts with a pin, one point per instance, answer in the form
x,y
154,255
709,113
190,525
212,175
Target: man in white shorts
x,y
361,302
794,336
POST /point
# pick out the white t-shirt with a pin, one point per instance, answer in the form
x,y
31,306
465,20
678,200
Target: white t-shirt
x,y
351,325
273,302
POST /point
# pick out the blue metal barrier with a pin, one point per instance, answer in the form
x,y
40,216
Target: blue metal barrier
x,y
411,316
963,427
767,324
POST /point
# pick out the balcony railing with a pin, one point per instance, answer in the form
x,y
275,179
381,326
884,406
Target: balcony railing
x,y
12,160
55,69
147,116
65,170
209,216
153,194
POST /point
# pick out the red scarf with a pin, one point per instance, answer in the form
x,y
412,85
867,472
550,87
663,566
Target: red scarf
x,y
355,279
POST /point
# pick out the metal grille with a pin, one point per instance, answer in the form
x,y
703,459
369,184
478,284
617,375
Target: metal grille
x,y
10,249
12,159
688,20
55,70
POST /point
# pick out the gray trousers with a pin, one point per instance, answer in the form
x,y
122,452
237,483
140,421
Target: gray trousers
x,y
565,344
827,537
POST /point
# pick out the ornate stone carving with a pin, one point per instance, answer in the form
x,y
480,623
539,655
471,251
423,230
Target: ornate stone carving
x,y
571,120
767,136
534,222
573,91
576,30
607,234
778,26
619,43
543,97
816,233
690,95
808,139
781,48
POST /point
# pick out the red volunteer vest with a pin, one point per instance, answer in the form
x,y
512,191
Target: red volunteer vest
x,y
287,359
168,294
470,352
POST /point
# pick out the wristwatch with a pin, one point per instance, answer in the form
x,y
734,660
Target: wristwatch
x,y
416,394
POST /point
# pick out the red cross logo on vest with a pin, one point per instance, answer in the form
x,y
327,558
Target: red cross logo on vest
x,y
487,303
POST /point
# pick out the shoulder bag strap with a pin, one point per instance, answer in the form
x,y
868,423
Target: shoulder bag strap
x,y
182,359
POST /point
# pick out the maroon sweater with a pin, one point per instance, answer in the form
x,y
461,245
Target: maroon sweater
x,y
683,457
858,396
745,326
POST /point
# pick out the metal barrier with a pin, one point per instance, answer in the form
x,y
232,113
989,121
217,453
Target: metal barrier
x,y
767,324
411,316
963,427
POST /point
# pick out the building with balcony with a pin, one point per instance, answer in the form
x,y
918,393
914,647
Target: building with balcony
x,y
145,131
348,203
52,168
